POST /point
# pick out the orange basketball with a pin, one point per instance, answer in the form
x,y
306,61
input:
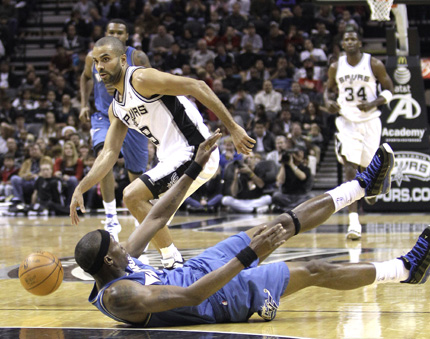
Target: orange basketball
x,y
41,273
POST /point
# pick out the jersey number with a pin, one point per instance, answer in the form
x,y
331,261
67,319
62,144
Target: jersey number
x,y
145,130
361,93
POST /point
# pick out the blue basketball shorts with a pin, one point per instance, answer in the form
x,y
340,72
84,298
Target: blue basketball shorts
x,y
254,289
134,148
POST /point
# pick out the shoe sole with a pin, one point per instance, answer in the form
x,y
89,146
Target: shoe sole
x,y
387,169
353,235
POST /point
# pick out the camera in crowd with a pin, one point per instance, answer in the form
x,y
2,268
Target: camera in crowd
x,y
286,154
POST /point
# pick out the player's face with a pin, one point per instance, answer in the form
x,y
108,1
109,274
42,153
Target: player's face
x,y
107,64
118,253
118,31
351,43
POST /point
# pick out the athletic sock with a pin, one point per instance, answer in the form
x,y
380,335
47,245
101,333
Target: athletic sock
x,y
353,218
171,252
390,271
346,194
110,207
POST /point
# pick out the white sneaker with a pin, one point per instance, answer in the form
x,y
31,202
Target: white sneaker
x,y
113,226
354,231
171,263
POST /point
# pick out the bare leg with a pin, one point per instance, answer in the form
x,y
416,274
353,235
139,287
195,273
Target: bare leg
x,y
107,186
319,273
137,197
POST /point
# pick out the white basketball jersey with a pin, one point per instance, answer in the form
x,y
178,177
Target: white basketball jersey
x,y
357,84
171,123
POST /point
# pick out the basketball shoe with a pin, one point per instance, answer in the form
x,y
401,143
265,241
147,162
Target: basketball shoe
x,y
417,261
172,263
376,178
112,225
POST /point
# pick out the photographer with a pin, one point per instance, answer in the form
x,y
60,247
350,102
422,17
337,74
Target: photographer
x,y
246,191
294,179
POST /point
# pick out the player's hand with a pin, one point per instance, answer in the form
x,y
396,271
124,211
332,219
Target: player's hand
x,y
77,201
84,115
243,143
365,106
265,240
207,147
332,107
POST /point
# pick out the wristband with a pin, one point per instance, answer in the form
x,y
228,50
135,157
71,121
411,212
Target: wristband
x,y
193,170
387,95
247,256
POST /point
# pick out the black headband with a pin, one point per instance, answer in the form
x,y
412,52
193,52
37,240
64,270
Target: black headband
x,y
104,247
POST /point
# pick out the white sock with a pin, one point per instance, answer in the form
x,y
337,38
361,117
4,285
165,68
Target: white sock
x,y
171,251
353,218
110,207
390,271
346,194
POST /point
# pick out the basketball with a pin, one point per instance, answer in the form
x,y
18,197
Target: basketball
x,y
41,273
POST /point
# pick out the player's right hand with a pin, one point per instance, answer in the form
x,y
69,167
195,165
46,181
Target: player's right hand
x,y
332,107
77,201
84,115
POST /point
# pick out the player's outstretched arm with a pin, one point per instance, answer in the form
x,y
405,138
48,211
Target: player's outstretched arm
x,y
132,302
150,81
169,203
104,162
330,90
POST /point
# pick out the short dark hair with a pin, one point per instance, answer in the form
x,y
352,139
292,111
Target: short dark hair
x,y
87,248
115,43
118,21
9,156
351,29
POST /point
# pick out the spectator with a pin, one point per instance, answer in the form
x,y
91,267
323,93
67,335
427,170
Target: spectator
x,y
281,144
221,92
312,115
228,154
72,42
25,103
243,106
317,55
292,57
195,10
175,58
47,198
7,111
315,141
252,37
62,88
231,40
61,61
261,9
202,55
265,140
13,150
84,7
245,193
294,37
297,100
262,70
245,6
294,179
246,59
187,42
231,82
152,156
211,37
162,41
49,128
223,59
296,136
325,15
69,168
235,19
122,180
275,40
7,170
321,37
9,81
253,83
270,99
23,183
83,151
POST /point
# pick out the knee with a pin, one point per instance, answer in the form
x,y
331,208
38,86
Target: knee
x,y
15,179
128,196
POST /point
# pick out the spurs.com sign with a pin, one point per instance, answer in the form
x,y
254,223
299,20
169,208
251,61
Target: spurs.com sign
x,y
410,189
404,118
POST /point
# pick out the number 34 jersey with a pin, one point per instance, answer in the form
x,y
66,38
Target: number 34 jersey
x,y
356,84
172,123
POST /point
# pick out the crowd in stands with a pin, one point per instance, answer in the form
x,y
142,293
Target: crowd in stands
x,y
266,60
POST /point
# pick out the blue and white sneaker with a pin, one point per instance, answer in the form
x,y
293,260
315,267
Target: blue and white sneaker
x,y
376,178
417,261
112,225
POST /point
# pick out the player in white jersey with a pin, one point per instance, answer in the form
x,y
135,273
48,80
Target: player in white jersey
x,y
153,103
355,77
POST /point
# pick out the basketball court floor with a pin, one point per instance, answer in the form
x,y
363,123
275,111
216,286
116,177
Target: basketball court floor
x,y
383,311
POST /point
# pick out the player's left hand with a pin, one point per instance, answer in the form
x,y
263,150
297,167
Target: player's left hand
x,y
365,106
207,147
266,240
243,143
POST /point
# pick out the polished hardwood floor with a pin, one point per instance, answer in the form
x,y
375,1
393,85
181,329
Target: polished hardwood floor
x,y
383,311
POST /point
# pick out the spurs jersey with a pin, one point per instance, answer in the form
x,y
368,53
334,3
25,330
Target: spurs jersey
x,y
171,123
357,84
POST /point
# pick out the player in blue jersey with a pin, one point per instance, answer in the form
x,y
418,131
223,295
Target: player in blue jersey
x,y
224,283
134,149
154,104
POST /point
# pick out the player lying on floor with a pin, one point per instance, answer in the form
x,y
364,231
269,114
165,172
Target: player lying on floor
x,y
224,283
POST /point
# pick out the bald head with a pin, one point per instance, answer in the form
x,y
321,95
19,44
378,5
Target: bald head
x,y
115,44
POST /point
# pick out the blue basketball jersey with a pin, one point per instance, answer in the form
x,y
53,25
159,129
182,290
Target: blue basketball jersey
x,y
101,96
